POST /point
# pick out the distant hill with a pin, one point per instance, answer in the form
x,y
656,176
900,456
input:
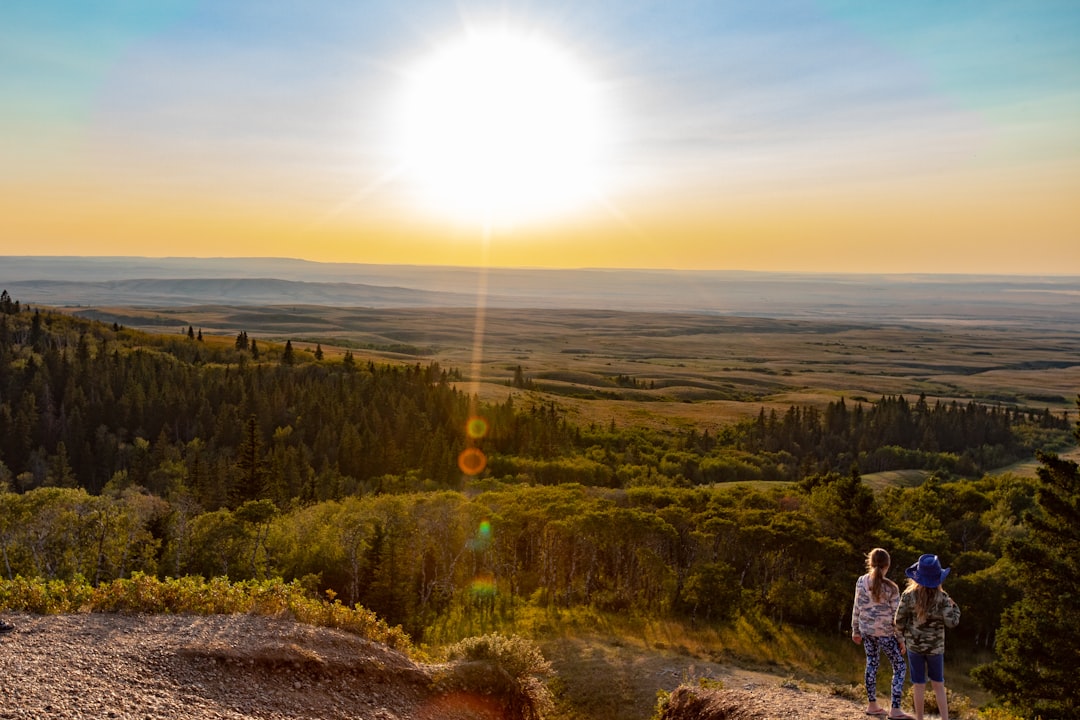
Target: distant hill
x,y
175,282
231,291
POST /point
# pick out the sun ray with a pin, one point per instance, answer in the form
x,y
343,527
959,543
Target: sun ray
x,y
385,179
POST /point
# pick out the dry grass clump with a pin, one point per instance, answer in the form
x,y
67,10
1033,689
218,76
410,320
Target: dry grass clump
x,y
691,703
510,670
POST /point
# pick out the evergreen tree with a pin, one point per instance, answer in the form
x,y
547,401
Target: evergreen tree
x,y
288,357
250,464
318,351
1038,646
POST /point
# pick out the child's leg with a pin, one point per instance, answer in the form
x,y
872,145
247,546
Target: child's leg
x,y
873,655
917,668
942,700
935,669
899,668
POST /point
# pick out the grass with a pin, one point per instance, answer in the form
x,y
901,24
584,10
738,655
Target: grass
x,y
195,595
896,478
757,363
611,666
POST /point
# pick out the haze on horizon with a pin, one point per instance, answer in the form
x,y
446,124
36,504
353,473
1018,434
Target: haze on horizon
x,y
797,135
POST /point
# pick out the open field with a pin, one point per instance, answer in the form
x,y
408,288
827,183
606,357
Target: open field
x,y
673,370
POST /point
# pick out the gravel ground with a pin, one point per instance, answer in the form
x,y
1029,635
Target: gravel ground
x,y
152,667
240,667
759,702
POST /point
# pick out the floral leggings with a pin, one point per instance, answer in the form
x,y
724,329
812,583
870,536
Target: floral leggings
x,y
874,646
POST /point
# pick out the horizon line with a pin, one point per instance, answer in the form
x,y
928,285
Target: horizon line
x,y
542,268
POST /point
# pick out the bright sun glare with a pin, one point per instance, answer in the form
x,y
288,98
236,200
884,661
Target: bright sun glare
x,y
501,128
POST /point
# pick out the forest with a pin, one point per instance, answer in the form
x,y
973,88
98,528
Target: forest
x,y
85,404
126,453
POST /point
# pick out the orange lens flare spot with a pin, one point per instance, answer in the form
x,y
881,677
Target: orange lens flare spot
x,y
472,461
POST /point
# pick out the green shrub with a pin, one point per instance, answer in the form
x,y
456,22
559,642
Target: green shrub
x,y
663,698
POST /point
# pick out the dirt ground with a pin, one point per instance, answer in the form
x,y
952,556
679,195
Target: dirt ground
x,y
240,667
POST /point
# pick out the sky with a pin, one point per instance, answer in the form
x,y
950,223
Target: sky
x,y
792,135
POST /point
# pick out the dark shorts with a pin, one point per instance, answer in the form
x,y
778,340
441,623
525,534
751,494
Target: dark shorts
x,y
920,666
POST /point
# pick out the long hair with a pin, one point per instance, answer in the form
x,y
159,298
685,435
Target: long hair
x,y
877,564
926,599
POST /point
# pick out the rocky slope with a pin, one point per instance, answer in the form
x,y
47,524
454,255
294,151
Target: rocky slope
x,y
240,667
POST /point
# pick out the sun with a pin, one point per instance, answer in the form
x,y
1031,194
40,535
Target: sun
x,y
501,128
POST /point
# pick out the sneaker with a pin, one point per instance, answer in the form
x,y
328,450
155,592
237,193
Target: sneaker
x,y
5,627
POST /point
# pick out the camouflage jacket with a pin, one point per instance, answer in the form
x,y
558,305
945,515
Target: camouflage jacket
x,y
927,638
869,618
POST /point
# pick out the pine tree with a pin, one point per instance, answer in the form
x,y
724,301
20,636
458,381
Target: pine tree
x,y
250,464
1038,645
288,357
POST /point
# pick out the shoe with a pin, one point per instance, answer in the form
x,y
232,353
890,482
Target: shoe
x,y
5,627
877,713
902,716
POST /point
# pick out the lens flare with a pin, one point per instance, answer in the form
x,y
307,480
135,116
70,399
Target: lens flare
x,y
472,461
483,537
476,428
462,704
483,585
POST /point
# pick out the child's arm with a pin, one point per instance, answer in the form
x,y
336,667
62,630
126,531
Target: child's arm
x,y
856,611
902,618
950,611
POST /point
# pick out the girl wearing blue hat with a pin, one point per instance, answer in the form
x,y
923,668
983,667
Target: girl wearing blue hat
x,y
925,611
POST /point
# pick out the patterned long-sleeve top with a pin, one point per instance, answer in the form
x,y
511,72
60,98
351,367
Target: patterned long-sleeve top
x,y
869,618
927,638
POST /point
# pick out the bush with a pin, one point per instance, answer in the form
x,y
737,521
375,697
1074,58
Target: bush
x,y
509,669
960,706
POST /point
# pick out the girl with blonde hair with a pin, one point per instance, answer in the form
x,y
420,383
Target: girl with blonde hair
x,y
924,612
876,600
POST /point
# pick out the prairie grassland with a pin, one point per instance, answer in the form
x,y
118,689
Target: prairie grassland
x,y
895,478
669,370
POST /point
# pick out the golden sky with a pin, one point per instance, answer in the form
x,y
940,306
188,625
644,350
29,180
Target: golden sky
x,y
791,136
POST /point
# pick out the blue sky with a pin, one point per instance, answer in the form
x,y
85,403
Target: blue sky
x,y
847,118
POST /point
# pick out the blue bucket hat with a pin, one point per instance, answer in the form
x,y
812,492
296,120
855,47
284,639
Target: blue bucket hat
x,y
928,571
